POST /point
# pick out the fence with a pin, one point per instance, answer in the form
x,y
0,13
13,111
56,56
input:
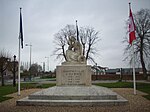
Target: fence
x,y
117,77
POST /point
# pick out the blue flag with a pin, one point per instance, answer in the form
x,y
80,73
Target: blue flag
x,y
21,30
77,31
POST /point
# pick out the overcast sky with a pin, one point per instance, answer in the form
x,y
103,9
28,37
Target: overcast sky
x,y
43,18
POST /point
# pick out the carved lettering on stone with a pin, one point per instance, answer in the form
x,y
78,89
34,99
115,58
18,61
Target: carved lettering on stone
x,y
72,77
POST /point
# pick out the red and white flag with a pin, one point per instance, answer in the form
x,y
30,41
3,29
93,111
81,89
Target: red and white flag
x,y
131,28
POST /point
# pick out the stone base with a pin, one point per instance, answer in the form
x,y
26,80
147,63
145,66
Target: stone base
x,y
74,96
77,74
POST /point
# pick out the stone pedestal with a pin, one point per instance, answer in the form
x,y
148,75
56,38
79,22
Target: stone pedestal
x,y
73,88
73,75
73,96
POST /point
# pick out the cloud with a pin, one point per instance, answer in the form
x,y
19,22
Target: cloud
x,y
43,18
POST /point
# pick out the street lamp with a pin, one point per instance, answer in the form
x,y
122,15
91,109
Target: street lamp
x,y
14,71
43,63
29,45
47,63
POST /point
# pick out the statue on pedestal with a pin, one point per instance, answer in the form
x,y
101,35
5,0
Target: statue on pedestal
x,y
74,52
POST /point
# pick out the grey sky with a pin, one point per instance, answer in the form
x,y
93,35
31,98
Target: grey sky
x,y
43,18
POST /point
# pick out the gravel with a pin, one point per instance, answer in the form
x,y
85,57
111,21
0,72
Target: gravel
x,y
137,103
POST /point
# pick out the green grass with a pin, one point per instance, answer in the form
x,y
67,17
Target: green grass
x,y
147,96
45,85
48,77
5,90
9,89
144,87
5,98
27,85
116,85
35,85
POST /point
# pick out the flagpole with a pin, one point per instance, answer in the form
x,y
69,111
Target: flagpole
x,y
133,61
19,68
77,31
133,64
19,63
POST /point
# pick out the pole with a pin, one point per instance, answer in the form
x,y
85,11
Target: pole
x,y
77,31
30,61
20,40
133,64
44,66
14,71
133,57
19,66
30,45
47,63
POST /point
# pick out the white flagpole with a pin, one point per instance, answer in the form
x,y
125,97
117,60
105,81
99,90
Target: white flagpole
x,y
19,68
19,64
133,64
133,55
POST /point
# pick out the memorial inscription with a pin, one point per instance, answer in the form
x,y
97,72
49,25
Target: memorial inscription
x,y
72,77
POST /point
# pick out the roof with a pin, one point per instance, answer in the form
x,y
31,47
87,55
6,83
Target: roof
x,y
112,70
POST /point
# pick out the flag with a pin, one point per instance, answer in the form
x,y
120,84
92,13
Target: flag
x,y
77,31
131,38
131,28
21,30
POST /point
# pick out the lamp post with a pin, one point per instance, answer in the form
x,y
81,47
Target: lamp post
x,y
14,71
43,66
47,63
29,45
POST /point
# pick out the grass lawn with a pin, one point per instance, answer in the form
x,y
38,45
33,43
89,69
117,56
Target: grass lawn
x,y
48,77
5,90
144,87
9,89
116,85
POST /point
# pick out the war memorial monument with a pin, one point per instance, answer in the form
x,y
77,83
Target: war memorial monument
x,y
73,84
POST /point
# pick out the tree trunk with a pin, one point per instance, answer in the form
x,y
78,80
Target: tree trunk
x,y
14,75
143,66
142,60
2,74
88,51
14,79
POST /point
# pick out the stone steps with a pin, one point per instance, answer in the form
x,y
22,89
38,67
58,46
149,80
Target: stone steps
x,y
46,97
28,102
74,96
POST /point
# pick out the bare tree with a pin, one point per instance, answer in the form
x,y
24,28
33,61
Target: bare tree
x,y
91,38
83,38
35,69
142,42
4,58
61,41
87,36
